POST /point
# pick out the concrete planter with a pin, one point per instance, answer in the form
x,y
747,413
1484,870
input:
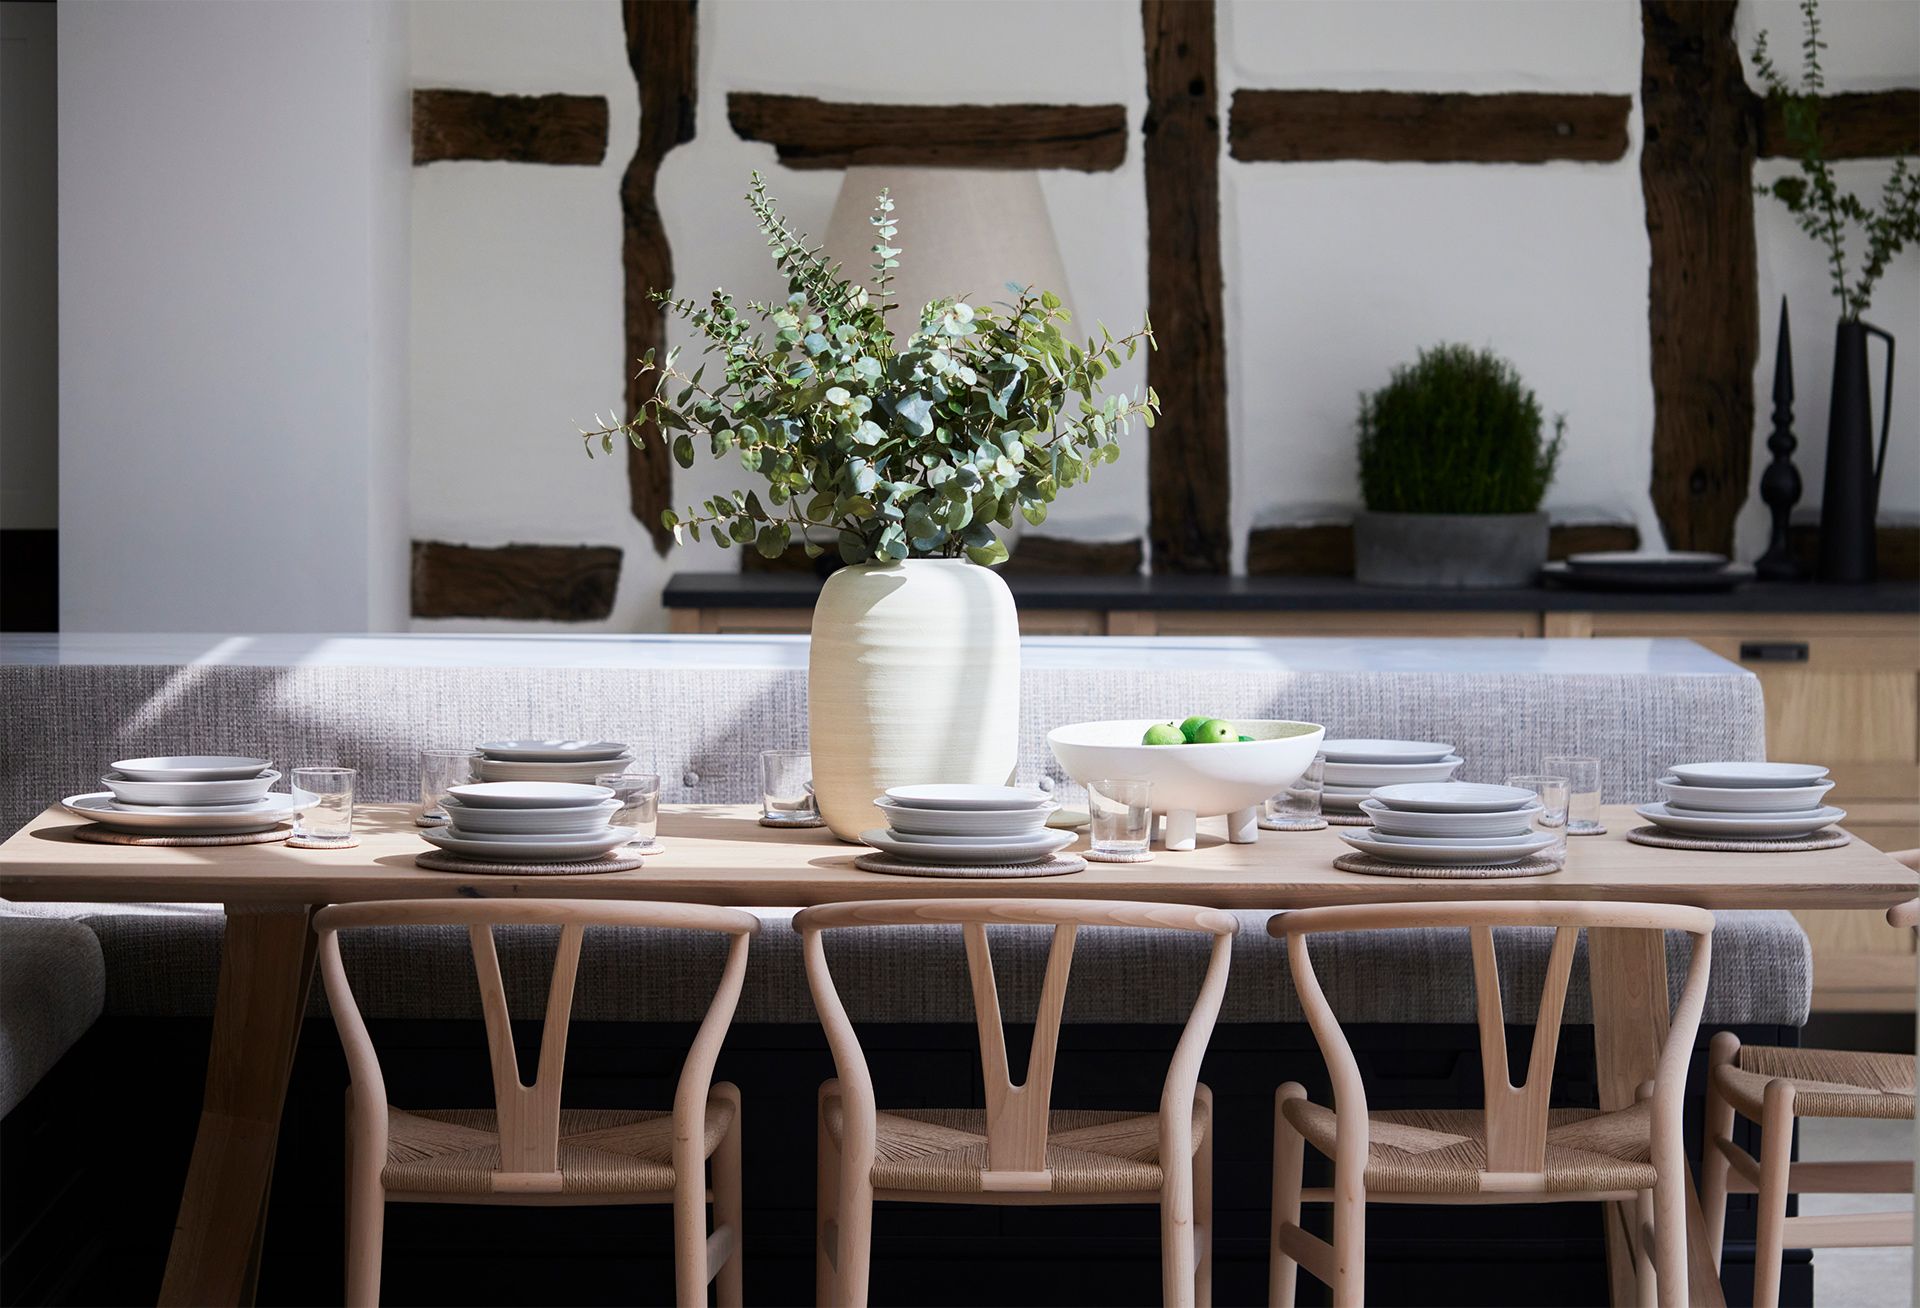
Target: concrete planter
x,y
1448,549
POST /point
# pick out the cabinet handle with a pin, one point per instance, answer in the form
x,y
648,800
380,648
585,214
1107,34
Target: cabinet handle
x,y
1773,651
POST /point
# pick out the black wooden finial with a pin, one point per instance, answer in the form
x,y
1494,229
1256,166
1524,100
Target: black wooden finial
x,y
1780,483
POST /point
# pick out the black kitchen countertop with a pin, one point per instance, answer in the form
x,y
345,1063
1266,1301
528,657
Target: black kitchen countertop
x,y
776,590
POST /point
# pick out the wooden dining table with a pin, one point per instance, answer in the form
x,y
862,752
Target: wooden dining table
x,y
721,855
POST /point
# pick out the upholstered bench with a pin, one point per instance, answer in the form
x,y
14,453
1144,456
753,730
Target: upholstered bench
x,y
53,984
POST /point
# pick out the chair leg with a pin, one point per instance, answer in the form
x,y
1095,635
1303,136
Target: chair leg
x,y
826,1204
1349,1237
1776,1157
366,1224
1646,1289
729,1277
1713,1164
1177,1234
1289,1156
1203,1208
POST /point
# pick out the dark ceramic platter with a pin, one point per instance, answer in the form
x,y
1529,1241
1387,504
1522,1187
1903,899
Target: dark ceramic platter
x,y
1659,576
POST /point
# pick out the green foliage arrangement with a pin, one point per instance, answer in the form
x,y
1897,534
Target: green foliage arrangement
x,y
1455,432
903,449
1814,198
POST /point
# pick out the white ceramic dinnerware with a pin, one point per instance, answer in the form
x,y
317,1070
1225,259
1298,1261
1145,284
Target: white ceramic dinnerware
x,y
1450,826
582,772
192,767
1742,799
571,820
1370,775
553,751
1742,826
1747,775
1447,851
1453,797
530,849
247,790
1384,751
1525,838
181,820
529,794
967,798
1012,850
964,822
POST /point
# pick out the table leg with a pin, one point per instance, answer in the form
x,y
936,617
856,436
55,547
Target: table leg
x,y
1628,975
266,963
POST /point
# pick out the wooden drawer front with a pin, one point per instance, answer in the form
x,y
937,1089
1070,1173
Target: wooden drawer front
x,y
1316,623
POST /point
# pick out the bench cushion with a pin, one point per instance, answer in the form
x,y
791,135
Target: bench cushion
x,y
53,982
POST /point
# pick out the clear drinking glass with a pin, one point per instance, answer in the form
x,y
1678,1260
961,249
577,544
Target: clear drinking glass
x,y
639,796
786,786
1583,790
323,799
1300,802
1122,814
440,771
1552,816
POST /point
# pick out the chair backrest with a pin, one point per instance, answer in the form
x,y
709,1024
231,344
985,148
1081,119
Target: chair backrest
x,y
1516,1115
528,1115
1016,1114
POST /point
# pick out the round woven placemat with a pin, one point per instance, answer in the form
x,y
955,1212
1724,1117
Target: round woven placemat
x,y
1347,819
440,861
1052,866
1536,866
1104,856
295,842
95,834
800,824
1293,824
1832,838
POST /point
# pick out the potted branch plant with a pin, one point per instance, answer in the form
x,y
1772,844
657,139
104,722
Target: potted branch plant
x,y
907,455
1453,464
1851,496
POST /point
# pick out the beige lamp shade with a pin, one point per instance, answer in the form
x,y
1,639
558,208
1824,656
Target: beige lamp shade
x,y
964,232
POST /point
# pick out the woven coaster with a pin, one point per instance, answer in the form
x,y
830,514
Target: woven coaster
x,y
1599,830
796,823
1293,824
420,820
1830,838
1052,866
440,861
295,842
95,834
1102,856
1347,819
1536,866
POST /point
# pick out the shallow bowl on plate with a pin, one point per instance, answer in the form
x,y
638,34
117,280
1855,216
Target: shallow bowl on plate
x,y
529,849
1449,853
553,751
528,794
1192,781
578,819
1505,822
1736,775
1385,751
965,798
192,767
1742,799
1006,823
247,790
1742,826
1028,850
1369,775
1453,797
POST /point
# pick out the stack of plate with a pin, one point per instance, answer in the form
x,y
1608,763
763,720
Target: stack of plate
x,y
529,822
966,825
1451,822
1356,767
573,761
1744,801
186,795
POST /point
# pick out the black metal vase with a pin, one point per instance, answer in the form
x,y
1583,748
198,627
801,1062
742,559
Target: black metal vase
x,y
1850,503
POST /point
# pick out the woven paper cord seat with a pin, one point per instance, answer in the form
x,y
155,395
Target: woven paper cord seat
x,y
1444,1151
1088,1152
1826,1082
602,1151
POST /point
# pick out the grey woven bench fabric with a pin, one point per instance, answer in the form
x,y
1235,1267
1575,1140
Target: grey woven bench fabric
x,y
53,983
163,960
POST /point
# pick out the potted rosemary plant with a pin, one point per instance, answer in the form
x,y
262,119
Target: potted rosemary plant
x,y
907,455
1453,464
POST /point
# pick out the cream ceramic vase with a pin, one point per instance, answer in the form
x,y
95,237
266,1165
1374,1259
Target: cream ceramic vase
x,y
913,677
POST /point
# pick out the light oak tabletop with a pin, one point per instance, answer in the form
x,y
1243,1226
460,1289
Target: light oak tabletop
x,y
719,854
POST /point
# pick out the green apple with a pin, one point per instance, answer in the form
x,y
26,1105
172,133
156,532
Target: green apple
x,y
1163,733
1190,729
1214,732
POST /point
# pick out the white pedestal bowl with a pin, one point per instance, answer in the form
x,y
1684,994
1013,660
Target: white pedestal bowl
x,y
1190,782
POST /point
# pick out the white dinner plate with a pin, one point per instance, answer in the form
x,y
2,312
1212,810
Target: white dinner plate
x,y
1370,775
192,767
151,819
1453,797
1009,851
972,822
573,819
491,769
1747,775
249,790
1742,799
1384,751
528,794
1366,841
553,751
1766,826
1357,792
961,798
1459,842
529,849
1507,822
908,837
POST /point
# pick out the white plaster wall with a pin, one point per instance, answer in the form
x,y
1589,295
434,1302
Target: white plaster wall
x,y
234,190
1335,272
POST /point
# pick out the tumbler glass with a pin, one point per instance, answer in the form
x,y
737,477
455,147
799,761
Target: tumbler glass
x,y
786,786
323,805
639,796
1552,817
440,771
1122,816
1300,802
1583,790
